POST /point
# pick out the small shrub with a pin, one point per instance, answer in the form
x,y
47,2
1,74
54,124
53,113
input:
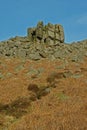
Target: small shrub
x,y
52,77
17,108
20,103
3,107
33,87
55,76
33,97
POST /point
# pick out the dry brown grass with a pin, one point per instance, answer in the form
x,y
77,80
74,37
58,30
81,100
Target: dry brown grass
x,y
64,106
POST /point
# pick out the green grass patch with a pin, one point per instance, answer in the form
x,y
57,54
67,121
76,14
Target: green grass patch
x,y
62,96
19,68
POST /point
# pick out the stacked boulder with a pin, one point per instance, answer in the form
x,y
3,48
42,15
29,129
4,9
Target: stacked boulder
x,y
50,34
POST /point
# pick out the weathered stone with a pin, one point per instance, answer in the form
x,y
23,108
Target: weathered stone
x,y
43,54
33,72
86,54
39,31
21,53
59,30
19,68
49,41
48,33
57,36
41,70
58,54
9,75
1,76
67,74
35,56
77,76
31,33
51,27
51,35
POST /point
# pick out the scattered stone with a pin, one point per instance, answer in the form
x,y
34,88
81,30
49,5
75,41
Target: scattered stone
x,y
1,76
67,74
33,72
19,68
9,75
35,56
44,41
60,67
41,70
77,76
21,53
43,92
38,92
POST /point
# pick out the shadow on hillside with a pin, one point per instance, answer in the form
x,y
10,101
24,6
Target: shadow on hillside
x,y
17,108
21,106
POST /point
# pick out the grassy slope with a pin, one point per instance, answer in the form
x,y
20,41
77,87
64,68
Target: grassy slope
x,y
63,108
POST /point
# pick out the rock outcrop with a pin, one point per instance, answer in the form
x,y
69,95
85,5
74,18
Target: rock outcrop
x,y
43,42
51,34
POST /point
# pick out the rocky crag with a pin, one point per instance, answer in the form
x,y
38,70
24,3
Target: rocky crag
x,y
43,41
51,34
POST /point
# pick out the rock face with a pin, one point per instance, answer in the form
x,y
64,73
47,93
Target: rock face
x,y
43,42
51,34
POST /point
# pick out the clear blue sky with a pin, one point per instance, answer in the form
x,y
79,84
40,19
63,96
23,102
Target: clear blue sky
x,y
17,15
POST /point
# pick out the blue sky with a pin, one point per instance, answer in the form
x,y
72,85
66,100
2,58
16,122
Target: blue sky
x,y
17,15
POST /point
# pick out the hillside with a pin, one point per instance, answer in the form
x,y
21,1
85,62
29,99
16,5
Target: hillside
x,y
43,81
